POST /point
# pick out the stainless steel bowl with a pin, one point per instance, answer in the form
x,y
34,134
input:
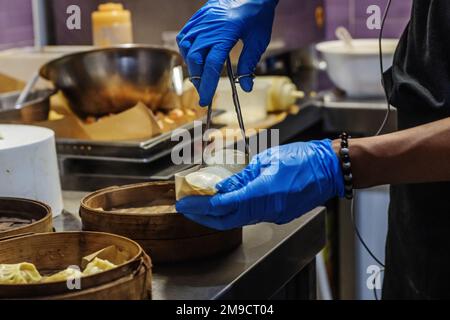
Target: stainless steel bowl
x,y
34,109
111,80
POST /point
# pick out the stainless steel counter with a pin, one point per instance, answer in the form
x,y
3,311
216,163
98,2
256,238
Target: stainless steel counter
x,y
273,261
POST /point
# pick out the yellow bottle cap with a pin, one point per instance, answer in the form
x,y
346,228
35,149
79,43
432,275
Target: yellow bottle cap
x,y
110,6
111,13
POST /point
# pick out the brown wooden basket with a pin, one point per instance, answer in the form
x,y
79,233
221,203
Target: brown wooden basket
x,y
52,252
166,237
26,209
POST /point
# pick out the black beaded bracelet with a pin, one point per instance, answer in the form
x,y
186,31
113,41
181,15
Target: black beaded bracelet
x,y
346,166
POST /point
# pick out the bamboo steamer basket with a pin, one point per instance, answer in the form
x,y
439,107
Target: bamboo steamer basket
x,y
167,236
26,209
51,252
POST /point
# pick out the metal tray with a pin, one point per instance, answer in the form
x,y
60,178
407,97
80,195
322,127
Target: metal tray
x,y
129,151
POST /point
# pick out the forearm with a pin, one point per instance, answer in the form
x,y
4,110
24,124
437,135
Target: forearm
x,y
420,154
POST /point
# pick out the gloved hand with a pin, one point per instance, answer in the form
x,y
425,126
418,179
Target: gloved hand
x,y
279,185
208,37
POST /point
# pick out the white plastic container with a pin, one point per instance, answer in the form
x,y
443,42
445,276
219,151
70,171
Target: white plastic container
x,y
253,104
356,69
283,93
28,165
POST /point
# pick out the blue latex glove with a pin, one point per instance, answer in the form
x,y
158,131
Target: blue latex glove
x,y
279,185
208,37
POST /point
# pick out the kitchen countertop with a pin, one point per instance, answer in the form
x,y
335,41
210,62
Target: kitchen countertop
x,y
269,257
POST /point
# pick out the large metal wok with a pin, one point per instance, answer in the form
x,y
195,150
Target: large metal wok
x,y
111,80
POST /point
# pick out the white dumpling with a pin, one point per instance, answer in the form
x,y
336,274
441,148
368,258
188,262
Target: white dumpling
x,y
206,179
97,265
230,159
21,273
69,273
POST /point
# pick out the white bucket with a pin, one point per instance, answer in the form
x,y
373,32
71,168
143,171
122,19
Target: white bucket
x,y
29,166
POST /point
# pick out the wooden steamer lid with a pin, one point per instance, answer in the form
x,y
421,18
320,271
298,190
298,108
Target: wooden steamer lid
x,y
165,236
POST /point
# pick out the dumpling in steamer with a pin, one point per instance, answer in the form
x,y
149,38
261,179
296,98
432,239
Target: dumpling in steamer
x,y
69,273
96,266
21,273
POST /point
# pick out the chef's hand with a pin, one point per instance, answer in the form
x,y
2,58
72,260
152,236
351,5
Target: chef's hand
x,y
208,37
279,185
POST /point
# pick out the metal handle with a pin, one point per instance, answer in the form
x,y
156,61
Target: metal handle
x,y
208,125
26,91
237,104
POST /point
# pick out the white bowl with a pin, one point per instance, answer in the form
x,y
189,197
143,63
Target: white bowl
x,y
356,70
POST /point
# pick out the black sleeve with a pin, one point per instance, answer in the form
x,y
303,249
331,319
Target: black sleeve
x,y
419,80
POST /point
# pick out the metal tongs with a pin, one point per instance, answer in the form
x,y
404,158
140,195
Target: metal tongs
x,y
237,104
237,107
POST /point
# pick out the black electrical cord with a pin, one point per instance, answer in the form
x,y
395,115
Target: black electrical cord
x,y
380,56
375,294
358,234
380,130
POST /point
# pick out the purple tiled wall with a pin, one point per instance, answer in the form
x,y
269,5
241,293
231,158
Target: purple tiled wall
x,y
60,33
352,15
150,18
16,23
294,23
